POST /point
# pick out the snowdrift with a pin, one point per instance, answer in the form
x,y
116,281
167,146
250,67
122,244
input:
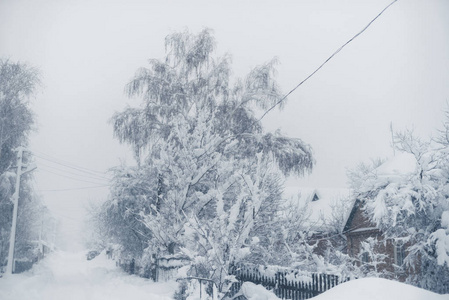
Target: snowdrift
x,y
360,289
378,289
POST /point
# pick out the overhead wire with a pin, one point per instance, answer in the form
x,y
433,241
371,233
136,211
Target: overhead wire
x,y
70,165
325,62
74,168
75,189
71,173
66,161
69,177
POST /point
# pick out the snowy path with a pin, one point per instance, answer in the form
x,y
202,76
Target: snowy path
x,y
70,276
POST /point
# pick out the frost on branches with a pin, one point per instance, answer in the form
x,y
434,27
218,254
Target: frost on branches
x,y
407,198
18,84
208,181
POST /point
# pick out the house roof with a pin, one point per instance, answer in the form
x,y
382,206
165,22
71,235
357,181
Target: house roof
x,y
401,164
395,169
319,203
354,207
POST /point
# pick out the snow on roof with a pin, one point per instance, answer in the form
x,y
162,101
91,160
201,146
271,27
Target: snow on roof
x,y
321,209
396,169
399,165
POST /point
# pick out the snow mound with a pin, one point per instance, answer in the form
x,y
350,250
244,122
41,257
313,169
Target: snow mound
x,y
378,289
360,289
253,291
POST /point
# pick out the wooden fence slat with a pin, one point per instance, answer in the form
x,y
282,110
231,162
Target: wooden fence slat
x,y
286,284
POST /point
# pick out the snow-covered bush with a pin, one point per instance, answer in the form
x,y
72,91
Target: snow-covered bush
x,y
372,265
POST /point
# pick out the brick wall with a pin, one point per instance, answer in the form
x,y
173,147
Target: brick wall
x,y
359,229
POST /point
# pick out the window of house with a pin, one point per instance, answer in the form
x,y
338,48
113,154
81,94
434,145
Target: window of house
x,y
365,257
363,254
399,253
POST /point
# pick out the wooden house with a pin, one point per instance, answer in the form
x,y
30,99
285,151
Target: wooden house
x,y
358,227
325,210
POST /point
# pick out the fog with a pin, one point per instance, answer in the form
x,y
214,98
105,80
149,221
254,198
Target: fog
x,y
396,73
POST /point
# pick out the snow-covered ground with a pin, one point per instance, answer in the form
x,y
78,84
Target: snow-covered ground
x,y
67,276
360,289
64,275
378,289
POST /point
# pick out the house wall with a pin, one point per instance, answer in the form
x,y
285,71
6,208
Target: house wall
x,y
359,230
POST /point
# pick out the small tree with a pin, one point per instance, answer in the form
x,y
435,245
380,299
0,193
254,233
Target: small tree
x,y
371,260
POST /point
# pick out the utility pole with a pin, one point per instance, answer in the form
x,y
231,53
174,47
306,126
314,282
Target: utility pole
x,y
392,138
12,238
41,247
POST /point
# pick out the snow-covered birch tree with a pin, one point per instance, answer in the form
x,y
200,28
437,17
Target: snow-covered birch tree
x,y
217,173
17,83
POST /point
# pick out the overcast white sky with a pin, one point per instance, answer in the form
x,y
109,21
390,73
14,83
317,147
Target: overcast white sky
x,y
397,71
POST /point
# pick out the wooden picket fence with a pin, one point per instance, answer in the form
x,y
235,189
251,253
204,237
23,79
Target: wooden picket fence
x,y
285,283
167,267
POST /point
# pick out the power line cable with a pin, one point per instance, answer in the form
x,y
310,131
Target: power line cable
x,y
65,161
326,61
74,189
72,173
74,167
69,177
98,180
69,164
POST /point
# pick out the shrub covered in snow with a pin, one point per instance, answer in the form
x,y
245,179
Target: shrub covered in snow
x,y
407,197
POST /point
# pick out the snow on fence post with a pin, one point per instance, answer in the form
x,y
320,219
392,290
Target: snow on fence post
x,y
167,267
